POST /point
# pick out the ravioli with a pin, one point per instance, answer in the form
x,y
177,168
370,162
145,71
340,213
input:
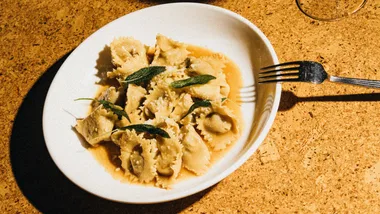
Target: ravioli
x,y
137,155
110,94
218,127
196,156
161,129
97,126
128,55
169,52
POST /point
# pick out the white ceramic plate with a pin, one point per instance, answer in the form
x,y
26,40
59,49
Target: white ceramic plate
x,y
215,28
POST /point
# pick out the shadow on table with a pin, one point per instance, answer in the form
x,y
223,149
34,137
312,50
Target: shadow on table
x,y
289,99
43,183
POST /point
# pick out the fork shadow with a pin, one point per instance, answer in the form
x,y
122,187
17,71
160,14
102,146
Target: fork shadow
x,y
289,99
39,179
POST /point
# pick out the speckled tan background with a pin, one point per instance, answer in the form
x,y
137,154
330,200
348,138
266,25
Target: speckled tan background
x,y
322,154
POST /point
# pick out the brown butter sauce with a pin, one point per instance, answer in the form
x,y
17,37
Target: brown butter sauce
x,y
107,153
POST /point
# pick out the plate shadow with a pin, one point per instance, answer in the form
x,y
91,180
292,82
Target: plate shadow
x,y
39,179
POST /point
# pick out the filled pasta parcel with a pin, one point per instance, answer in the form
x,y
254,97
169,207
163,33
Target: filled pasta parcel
x,y
169,111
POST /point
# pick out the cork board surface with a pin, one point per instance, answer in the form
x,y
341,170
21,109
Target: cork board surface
x,y
322,154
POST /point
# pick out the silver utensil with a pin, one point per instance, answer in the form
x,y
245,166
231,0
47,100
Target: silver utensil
x,y
307,71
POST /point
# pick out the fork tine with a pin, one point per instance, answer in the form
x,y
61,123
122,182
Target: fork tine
x,y
283,64
280,80
279,75
281,69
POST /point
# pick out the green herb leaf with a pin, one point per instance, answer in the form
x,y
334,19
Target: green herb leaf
x,y
115,109
223,99
85,99
110,106
146,128
197,104
200,79
144,75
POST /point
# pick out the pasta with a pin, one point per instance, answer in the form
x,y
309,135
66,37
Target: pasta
x,y
97,126
219,127
169,52
168,114
128,55
196,156
137,155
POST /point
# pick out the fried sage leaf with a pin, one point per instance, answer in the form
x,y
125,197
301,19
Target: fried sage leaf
x,y
146,128
197,104
110,106
143,75
200,79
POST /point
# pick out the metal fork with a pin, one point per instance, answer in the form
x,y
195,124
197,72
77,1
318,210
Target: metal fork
x,y
307,71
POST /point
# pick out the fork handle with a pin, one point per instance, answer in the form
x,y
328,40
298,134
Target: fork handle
x,y
355,81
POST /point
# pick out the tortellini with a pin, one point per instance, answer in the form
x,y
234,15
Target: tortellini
x,y
193,131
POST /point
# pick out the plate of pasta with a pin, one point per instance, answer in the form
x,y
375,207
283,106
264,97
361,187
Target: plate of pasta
x,y
149,108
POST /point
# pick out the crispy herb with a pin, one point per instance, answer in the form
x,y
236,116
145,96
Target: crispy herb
x,y
200,79
197,104
110,106
146,128
223,99
143,75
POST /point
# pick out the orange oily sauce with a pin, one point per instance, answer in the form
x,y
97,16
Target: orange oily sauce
x,y
107,153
